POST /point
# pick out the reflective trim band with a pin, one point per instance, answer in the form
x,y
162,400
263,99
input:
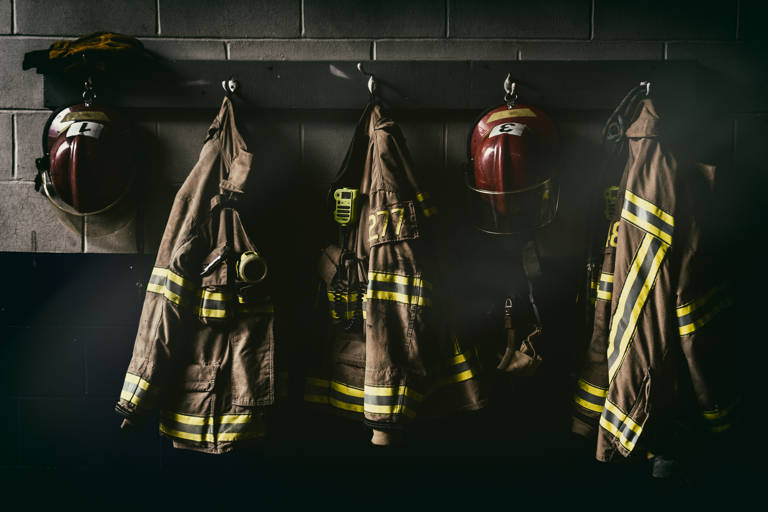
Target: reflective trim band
x,y
605,287
398,288
640,279
461,369
513,112
698,313
648,217
211,429
391,400
134,389
172,286
425,204
621,426
333,393
720,420
590,397
345,306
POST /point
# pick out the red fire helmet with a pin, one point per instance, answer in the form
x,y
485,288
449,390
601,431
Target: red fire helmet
x,y
89,160
513,154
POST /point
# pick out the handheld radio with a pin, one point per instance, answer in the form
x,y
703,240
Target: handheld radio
x,y
346,205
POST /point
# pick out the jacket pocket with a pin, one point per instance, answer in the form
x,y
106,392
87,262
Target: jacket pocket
x,y
215,305
251,345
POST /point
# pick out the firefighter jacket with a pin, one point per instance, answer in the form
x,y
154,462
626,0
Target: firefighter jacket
x,y
383,354
659,350
204,350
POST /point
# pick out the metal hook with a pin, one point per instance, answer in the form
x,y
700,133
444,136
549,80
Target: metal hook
x,y
510,89
647,86
371,80
230,86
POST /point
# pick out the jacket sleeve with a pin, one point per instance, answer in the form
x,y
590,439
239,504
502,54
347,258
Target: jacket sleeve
x,y
592,385
398,329
708,336
172,297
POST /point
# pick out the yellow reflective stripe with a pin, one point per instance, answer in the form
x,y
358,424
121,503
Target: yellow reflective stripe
x,y
155,288
422,196
348,315
399,297
344,297
461,377
186,435
603,295
650,228
345,405
592,390
386,277
135,379
607,425
347,390
714,414
696,304
639,302
238,436
606,277
388,409
392,391
212,313
189,420
237,418
218,296
129,397
649,207
587,405
625,420
514,112
458,359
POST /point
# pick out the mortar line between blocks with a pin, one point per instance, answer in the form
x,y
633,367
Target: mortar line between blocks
x,y
14,157
592,22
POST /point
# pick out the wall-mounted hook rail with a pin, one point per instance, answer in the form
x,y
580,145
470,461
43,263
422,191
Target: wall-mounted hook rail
x,y
327,85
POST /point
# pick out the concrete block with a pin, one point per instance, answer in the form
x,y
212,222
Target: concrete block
x,y
5,16
236,18
661,19
732,74
374,18
304,49
47,361
451,49
6,146
29,133
19,88
186,49
325,144
593,50
81,17
560,19
29,221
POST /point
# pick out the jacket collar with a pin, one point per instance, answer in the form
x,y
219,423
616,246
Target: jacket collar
x,y
646,122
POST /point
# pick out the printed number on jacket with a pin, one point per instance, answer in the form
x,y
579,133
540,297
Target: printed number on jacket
x,y
395,222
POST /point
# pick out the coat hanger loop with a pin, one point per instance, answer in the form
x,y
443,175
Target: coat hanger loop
x,y
510,91
371,80
230,86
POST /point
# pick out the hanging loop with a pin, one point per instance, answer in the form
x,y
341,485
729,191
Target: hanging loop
x,y
647,86
230,86
371,80
510,91
89,95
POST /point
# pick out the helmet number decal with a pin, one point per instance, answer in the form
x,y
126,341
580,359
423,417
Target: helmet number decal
x,y
508,129
87,128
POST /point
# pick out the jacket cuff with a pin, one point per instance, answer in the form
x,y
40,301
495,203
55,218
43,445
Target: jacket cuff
x,y
582,428
386,438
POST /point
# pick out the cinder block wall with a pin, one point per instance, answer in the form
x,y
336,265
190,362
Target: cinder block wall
x,y
64,362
